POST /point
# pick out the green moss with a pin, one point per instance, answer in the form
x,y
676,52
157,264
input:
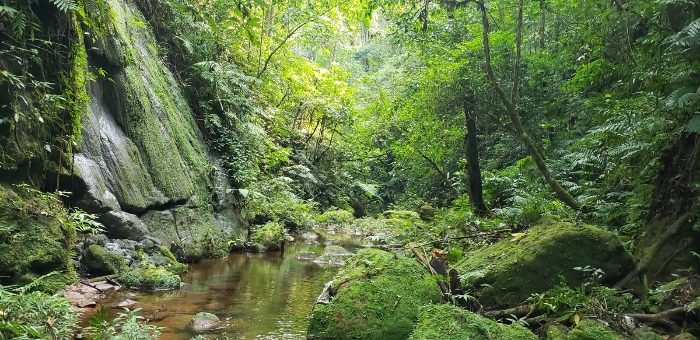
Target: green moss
x,y
376,295
150,279
34,240
509,271
173,265
591,330
98,261
447,322
335,216
270,236
410,216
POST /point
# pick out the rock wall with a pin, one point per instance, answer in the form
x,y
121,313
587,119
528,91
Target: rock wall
x,y
142,162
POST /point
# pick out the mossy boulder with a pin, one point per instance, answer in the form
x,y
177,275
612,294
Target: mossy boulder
x,y
376,295
509,271
407,215
98,261
269,236
586,330
150,279
203,321
35,238
447,322
336,216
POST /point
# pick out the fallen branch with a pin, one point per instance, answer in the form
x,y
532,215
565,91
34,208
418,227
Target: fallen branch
x,y
103,278
651,252
421,259
521,311
662,318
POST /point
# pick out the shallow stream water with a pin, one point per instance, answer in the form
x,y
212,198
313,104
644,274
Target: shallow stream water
x,y
256,296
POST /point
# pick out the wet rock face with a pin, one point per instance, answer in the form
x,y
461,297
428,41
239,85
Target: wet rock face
x,y
509,271
203,322
142,152
376,295
123,225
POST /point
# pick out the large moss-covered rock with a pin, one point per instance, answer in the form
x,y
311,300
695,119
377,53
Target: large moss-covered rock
x,y
152,278
509,271
35,238
586,330
376,295
447,322
98,261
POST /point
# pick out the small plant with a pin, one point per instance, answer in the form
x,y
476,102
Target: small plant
x,y
27,314
593,274
126,326
85,223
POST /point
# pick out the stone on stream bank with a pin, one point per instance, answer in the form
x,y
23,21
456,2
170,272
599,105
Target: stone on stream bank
x,y
269,236
509,271
333,256
447,322
376,295
98,261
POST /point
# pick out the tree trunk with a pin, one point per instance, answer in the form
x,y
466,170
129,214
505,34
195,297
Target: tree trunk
x,y
509,103
475,190
542,21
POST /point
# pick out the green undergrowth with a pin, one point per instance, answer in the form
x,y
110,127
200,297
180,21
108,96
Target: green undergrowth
x,y
29,314
447,322
270,236
376,295
36,237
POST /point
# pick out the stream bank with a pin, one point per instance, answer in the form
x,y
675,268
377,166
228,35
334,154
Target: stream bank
x,y
255,295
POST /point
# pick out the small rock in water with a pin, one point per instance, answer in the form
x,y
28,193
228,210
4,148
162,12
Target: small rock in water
x,y
304,255
203,321
126,303
84,303
309,236
103,286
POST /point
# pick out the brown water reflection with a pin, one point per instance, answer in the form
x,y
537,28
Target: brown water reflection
x,y
257,296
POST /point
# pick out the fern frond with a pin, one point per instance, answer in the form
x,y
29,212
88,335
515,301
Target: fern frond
x,y
683,97
65,5
688,36
693,124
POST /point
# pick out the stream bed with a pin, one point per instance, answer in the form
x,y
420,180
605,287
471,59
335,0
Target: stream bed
x,y
256,296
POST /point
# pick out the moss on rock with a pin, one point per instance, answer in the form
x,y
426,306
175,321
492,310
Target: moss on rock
x,y
150,279
509,271
35,239
98,261
586,330
270,236
376,295
336,216
447,322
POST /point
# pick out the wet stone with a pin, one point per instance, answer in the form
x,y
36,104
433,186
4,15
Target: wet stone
x,y
203,321
126,303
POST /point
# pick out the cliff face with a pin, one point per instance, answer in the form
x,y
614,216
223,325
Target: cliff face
x,y
142,162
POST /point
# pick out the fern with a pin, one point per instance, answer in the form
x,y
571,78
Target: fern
x,y
65,5
688,36
683,97
693,124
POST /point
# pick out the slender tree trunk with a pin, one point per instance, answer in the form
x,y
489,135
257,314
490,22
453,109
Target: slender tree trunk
x,y
543,14
509,103
475,190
